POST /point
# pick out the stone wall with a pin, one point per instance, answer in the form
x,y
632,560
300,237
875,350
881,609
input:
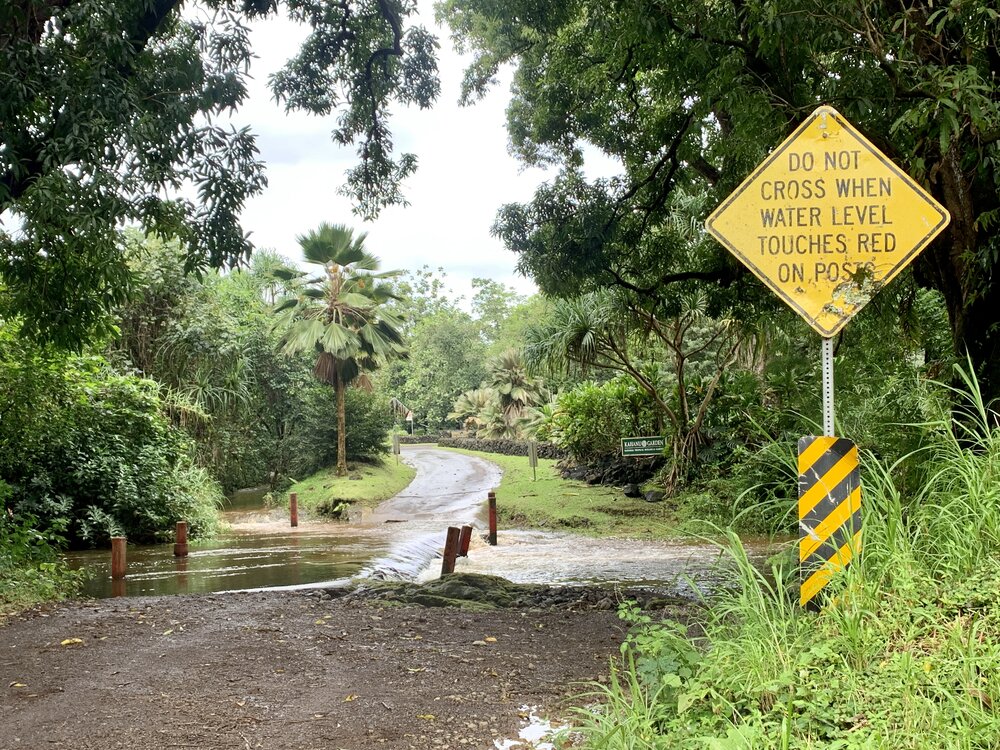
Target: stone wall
x,y
423,439
503,447
616,471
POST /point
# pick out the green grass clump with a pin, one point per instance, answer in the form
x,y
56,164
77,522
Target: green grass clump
x,y
31,570
551,502
366,484
903,655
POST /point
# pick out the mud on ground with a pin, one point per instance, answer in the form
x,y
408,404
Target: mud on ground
x,y
293,671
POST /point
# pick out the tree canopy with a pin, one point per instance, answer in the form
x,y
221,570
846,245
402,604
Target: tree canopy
x,y
690,96
109,116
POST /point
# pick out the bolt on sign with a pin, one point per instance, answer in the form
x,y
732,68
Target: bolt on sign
x,y
643,446
827,220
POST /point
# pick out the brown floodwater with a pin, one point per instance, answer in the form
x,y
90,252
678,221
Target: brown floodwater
x,y
402,540
236,560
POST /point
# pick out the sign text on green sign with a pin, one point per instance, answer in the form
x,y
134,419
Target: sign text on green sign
x,y
643,446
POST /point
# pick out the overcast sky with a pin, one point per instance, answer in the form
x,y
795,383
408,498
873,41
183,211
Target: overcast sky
x,y
464,175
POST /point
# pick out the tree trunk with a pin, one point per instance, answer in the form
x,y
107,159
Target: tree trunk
x,y
341,427
978,333
971,292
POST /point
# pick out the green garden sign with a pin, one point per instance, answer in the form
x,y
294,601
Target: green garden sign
x,y
643,446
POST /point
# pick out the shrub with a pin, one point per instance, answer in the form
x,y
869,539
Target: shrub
x,y
590,420
30,568
311,439
90,454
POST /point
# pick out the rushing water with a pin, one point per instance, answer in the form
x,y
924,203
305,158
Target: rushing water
x,y
401,540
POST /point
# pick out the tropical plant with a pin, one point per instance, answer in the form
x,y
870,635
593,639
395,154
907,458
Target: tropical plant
x,y
516,389
677,359
469,406
539,421
340,315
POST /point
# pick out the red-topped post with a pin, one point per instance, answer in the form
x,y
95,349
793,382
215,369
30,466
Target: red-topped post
x,y
450,550
117,558
464,540
492,497
181,541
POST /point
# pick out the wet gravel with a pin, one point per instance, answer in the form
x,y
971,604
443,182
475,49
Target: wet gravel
x,y
297,670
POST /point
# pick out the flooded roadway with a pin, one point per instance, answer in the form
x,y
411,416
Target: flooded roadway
x,y
400,540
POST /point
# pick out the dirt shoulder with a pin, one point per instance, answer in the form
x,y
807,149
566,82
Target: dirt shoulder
x,y
289,670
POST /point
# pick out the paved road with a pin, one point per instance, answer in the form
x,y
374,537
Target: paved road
x,y
449,490
449,487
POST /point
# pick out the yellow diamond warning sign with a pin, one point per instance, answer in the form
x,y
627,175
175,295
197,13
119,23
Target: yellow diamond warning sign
x,y
827,220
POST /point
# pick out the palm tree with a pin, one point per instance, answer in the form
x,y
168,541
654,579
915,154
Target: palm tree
x,y
469,406
516,391
339,314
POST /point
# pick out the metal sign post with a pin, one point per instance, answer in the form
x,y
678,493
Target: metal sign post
x,y
828,413
826,221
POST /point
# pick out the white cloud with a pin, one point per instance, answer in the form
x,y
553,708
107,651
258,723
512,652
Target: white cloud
x,y
465,173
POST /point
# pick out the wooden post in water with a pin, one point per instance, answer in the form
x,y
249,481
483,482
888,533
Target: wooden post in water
x,y
450,550
181,541
492,498
117,558
293,508
463,541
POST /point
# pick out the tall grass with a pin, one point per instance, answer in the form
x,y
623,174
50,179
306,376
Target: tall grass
x,y
904,653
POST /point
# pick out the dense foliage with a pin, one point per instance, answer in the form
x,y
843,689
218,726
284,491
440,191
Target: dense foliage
x,y
255,414
193,397
90,453
108,106
689,96
451,348
311,444
903,653
590,420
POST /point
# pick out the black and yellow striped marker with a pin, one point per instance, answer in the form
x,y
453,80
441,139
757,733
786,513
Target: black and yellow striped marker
x,y
829,510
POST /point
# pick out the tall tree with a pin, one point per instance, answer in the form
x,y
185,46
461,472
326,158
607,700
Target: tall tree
x,y
340,315
492,303
689,95
447,357
107,107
